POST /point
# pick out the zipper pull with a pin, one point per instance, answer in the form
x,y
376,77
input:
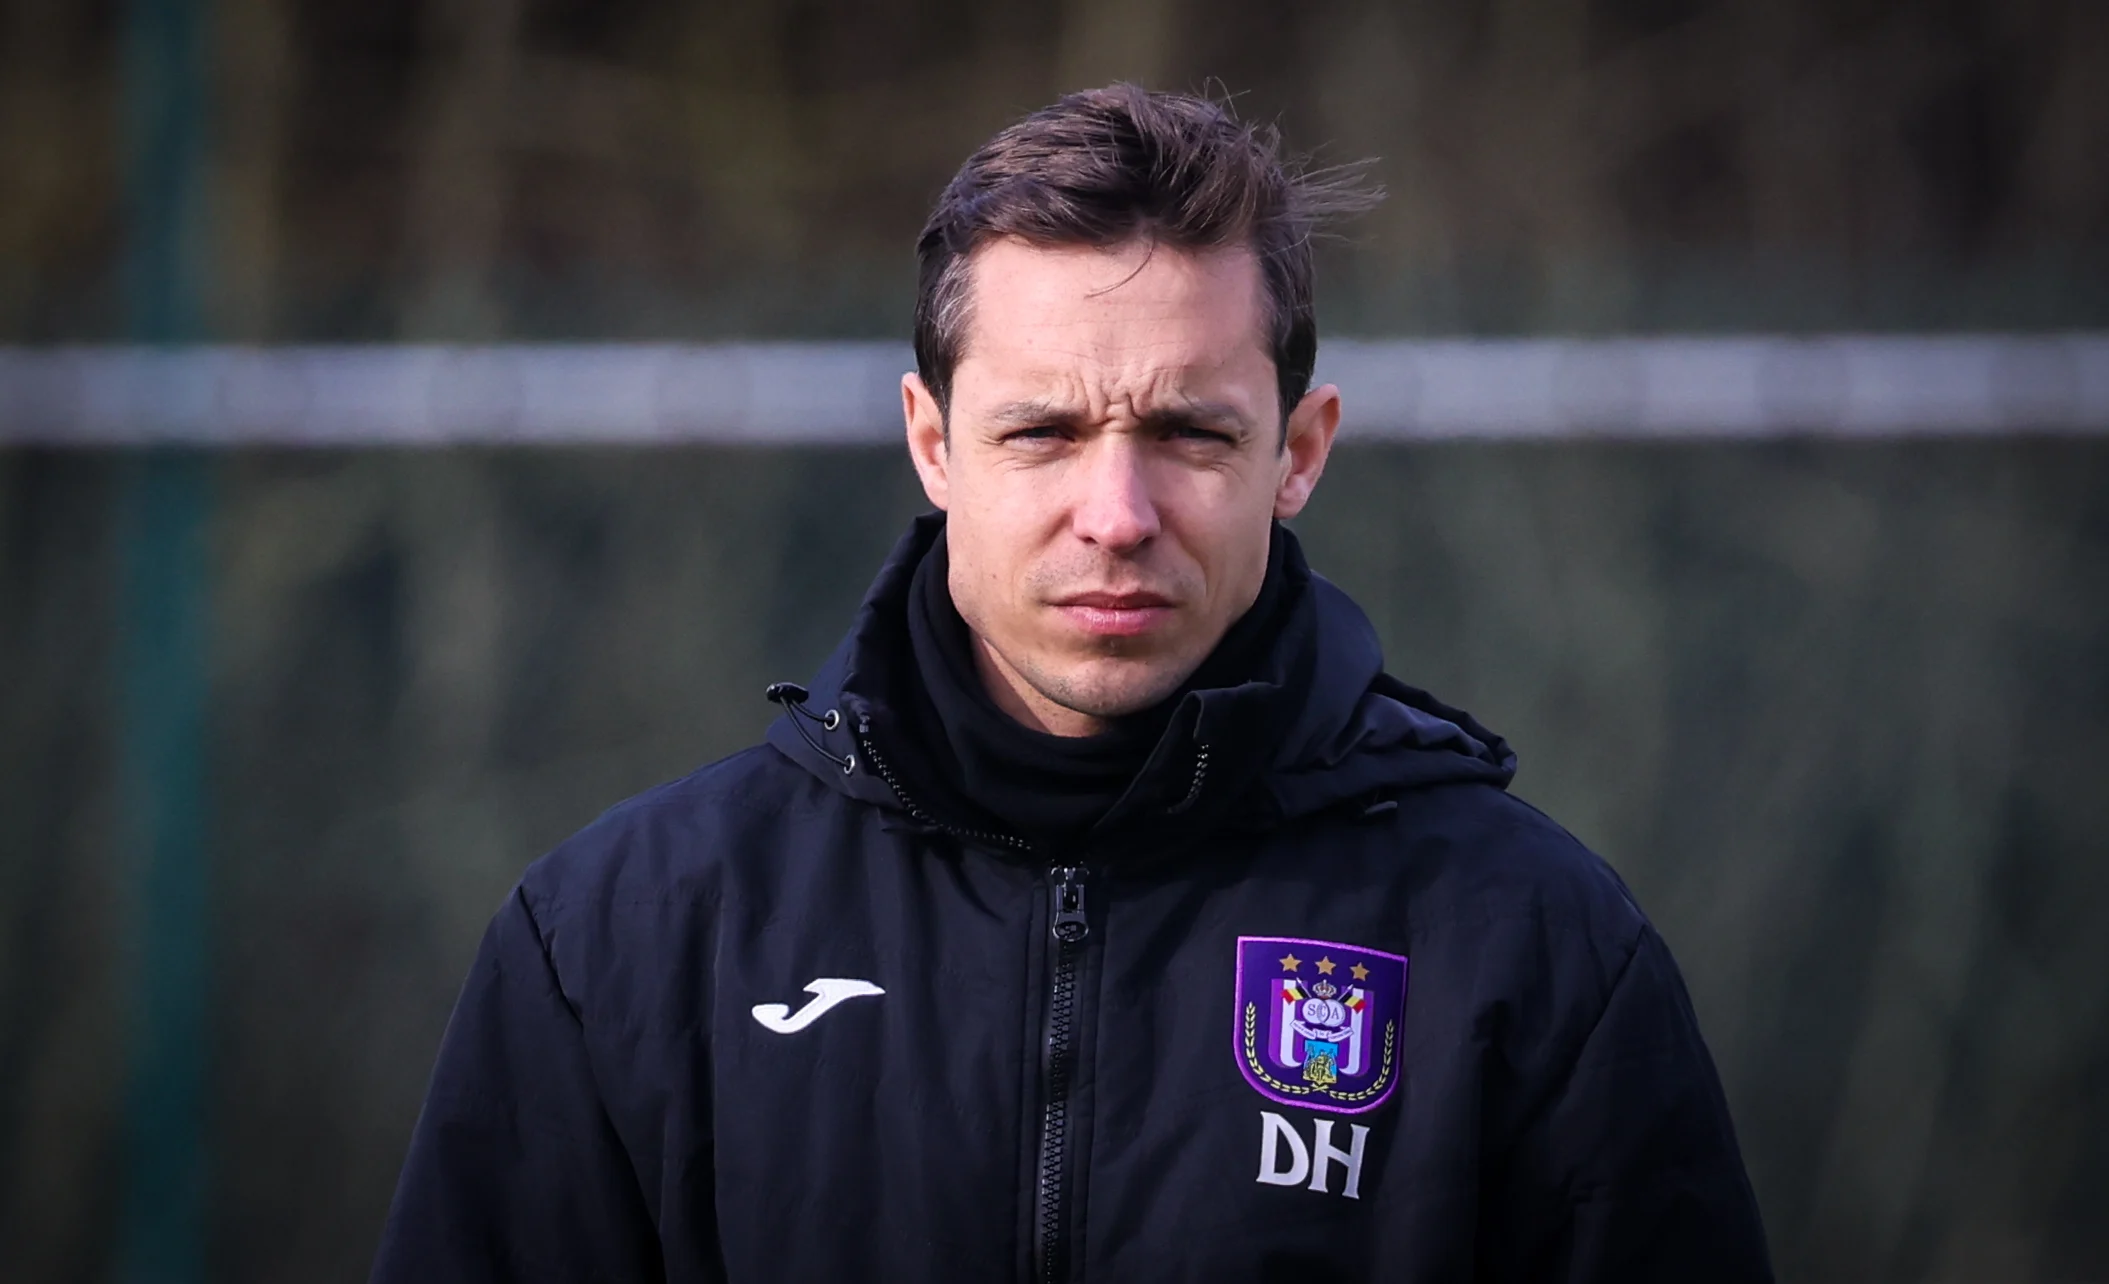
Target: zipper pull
x,y
1070,925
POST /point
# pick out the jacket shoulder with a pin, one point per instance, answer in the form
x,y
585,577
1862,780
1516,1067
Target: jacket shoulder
x,y
1542,926
1482,855
669,842
627,909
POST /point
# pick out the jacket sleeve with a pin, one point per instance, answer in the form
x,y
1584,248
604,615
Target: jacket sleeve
x,y
515,1173
1629,1170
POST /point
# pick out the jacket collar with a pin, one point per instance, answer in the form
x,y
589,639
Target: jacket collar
x,y
1319,726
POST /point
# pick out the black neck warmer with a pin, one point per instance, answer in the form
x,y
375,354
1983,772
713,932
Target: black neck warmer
x,y
1050,789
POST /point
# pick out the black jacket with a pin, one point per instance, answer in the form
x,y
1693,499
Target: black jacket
x,y
1471,1059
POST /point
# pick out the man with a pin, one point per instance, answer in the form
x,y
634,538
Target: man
x,y
1104,911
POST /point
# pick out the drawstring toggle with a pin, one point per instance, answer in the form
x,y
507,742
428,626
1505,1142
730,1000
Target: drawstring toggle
x,y
793,698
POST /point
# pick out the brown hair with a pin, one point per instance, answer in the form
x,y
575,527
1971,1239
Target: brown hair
x,y
1105,166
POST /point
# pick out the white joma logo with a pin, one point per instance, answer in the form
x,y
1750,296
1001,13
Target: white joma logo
x,y
827,992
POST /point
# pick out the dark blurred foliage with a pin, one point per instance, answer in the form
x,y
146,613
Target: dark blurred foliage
x,y
474,169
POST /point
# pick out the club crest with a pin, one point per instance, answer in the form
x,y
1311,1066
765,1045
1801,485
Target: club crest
x,y
1318,1022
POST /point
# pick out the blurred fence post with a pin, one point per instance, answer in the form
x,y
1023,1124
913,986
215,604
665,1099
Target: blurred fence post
x,y
164,603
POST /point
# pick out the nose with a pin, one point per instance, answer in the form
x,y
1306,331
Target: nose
x,y
1114,507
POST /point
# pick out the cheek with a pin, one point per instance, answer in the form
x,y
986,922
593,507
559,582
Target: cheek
x,y
982,542
1220,525
1004,518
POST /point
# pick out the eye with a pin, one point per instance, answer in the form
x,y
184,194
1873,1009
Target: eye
x,y
1197,432
1037,435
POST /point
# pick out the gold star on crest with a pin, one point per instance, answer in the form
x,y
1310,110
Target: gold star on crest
x,y
1359,972
1290,962
1326,966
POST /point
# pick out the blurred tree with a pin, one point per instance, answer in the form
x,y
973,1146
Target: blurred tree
x,y
472,168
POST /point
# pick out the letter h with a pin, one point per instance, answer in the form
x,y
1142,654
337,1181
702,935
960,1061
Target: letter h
x,y
1324,1152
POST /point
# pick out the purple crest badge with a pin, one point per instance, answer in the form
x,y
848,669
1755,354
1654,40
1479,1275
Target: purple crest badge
x,y
1318,1021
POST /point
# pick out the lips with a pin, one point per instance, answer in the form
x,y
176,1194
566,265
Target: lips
x,y
1115,614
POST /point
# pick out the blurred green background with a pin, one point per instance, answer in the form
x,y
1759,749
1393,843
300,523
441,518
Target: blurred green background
x,y
1838,710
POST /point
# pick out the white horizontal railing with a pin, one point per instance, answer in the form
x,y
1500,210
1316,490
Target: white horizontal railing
x,y
818,393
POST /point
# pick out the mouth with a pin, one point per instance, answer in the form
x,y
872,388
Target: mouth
x,y
1115,614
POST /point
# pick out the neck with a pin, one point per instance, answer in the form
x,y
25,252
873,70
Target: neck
x,y
1023,702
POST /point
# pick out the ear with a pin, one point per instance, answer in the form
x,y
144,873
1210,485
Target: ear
x,y
926,439
1310,439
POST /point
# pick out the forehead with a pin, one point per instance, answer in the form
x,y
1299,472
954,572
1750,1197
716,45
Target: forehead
x,y
1116,320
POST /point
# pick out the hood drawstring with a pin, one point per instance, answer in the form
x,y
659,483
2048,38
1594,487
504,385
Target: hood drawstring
x,y
793,698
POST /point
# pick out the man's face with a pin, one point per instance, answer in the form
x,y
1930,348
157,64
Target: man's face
x,y
1113,463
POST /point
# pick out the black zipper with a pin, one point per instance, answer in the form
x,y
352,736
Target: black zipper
x,y
1069,926
915,810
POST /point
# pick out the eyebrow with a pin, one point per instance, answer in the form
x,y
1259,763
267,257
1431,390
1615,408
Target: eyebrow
x,y
1030,414
1033,414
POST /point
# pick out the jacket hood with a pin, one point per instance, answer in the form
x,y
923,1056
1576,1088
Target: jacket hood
x,y
1321,724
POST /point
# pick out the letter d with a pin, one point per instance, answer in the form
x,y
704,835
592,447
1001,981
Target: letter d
x,y
1275,1130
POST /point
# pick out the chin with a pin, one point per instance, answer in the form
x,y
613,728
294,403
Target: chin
x,y
1116,689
